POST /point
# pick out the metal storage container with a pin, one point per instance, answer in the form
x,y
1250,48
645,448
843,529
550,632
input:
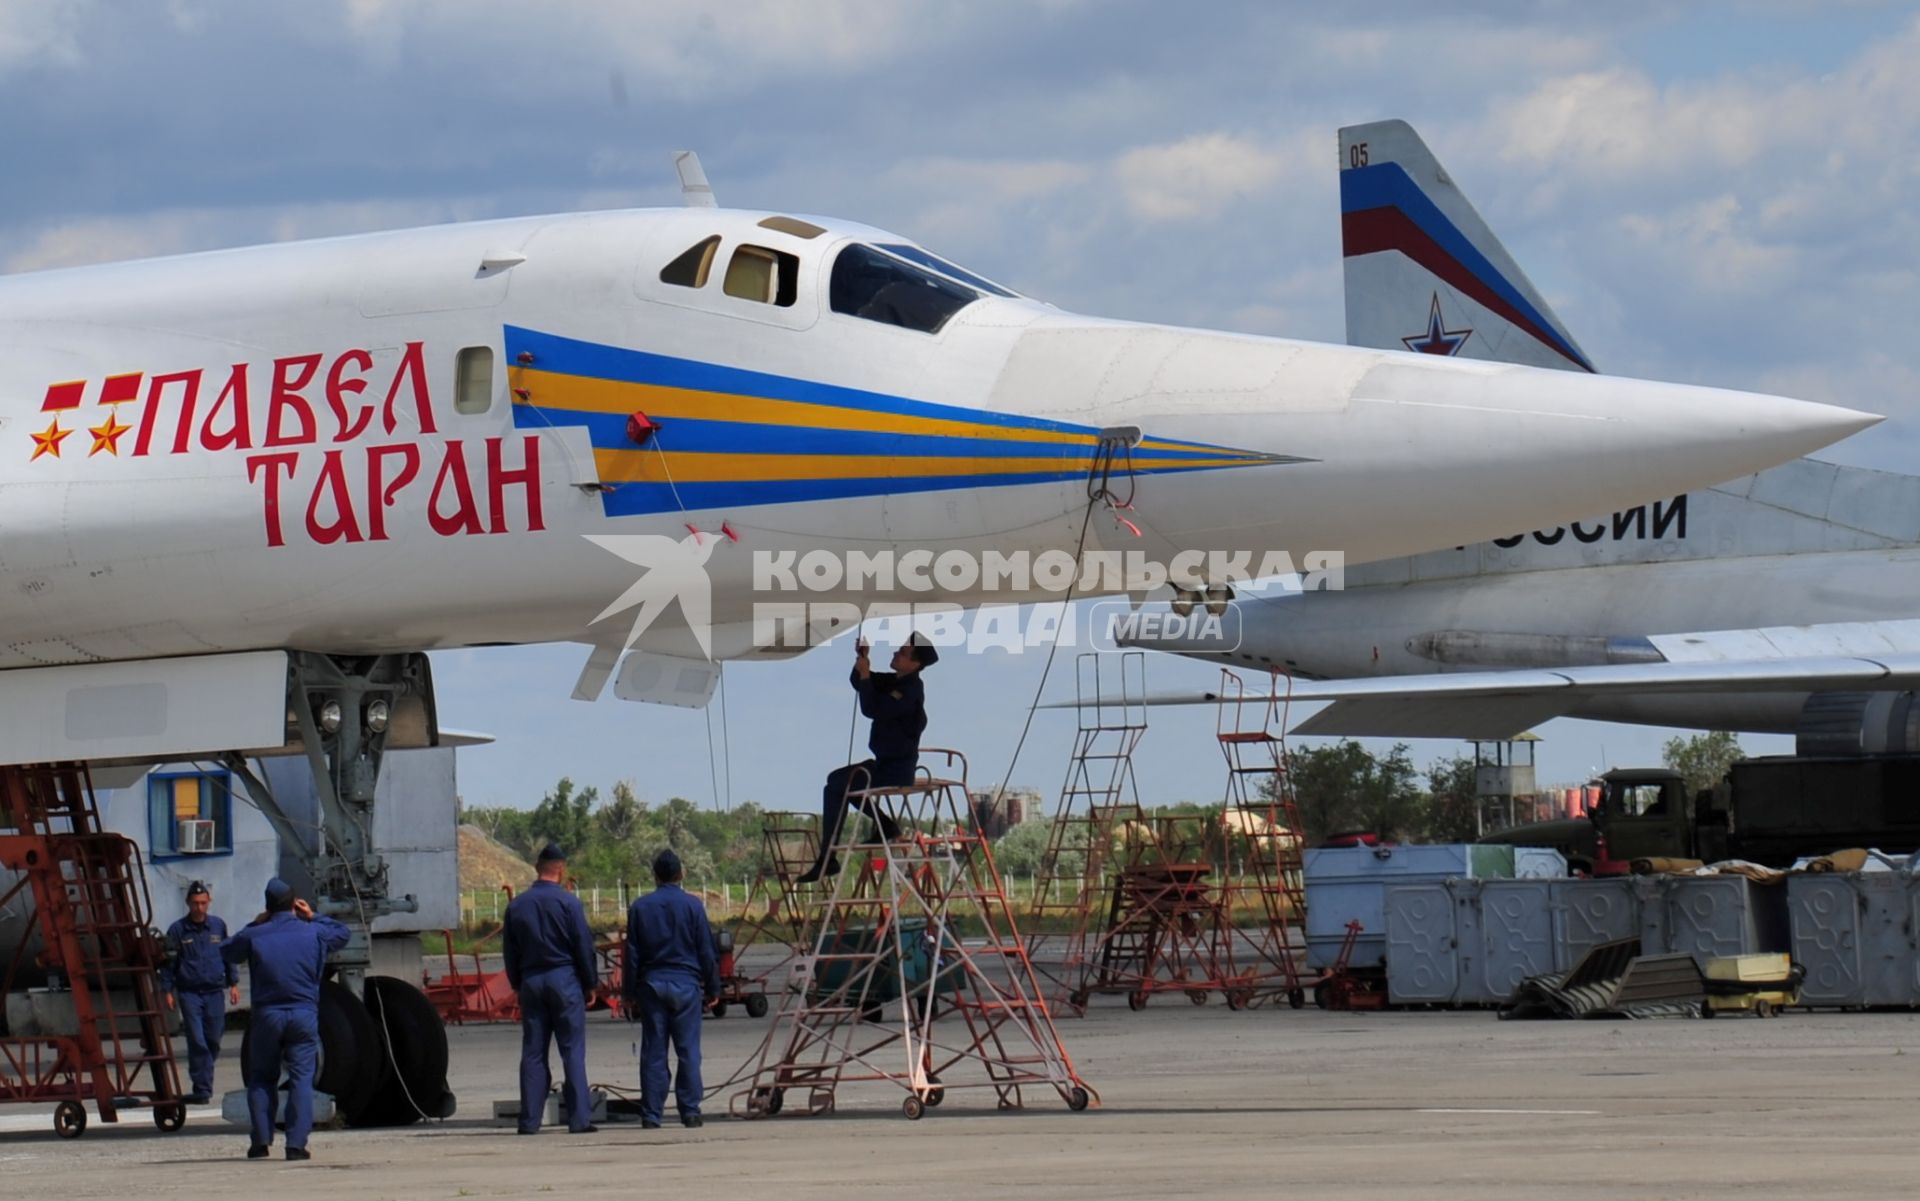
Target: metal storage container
x,y
1855,934
1710,916
1591,912
1538,863
1348,883
1467,942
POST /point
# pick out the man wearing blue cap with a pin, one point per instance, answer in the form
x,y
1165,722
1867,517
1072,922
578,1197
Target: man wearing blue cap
x,y
549,960
897,702
669,977
200,984
286,951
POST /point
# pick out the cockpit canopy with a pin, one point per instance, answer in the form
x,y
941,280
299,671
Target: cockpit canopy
x,y
890,282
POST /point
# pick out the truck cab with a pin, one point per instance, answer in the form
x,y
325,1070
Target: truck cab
x,y
1643,813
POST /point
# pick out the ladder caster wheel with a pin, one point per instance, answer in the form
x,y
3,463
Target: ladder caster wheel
x,y
1236,1000
1320,998
757,1005
1137,1000
1078,1098
1706,1009
914,1108
1197,995
719,1009
1078,998
935,1096
776,1099
70,1119
1297,998
170,1117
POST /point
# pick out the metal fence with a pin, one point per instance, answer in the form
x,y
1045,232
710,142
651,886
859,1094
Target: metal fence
x,y
608,902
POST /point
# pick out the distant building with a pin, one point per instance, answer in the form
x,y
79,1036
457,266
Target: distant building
x,y
1017,805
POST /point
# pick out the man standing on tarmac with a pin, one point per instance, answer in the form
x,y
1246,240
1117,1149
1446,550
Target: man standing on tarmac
x,y
286,952
671,975
896,701
200,984
549,959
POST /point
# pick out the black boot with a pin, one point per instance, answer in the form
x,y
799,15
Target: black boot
x,y
812,875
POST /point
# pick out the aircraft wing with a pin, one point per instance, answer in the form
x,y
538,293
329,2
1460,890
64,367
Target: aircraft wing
x,y
1500,704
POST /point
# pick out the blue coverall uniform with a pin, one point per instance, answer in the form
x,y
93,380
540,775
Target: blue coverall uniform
x,y
669,973
199,979
286,959
549,959
897,705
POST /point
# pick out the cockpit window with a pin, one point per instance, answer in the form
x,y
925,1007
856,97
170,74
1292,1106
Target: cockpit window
x,y
880,287
914,254
757,273
689,268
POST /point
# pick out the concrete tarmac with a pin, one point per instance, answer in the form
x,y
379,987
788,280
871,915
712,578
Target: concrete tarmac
x,y
1197,1101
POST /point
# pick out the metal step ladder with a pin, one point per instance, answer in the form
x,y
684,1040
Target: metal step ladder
x,y
92,912
1264,838
914,975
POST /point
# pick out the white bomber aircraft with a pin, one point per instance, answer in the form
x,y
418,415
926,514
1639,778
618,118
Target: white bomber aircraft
x,y
328,457
1783,602
243,493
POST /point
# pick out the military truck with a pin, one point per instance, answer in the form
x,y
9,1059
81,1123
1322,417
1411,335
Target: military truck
x,y
1771,810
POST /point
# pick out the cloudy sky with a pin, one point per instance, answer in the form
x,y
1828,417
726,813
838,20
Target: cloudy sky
x,y
1725,196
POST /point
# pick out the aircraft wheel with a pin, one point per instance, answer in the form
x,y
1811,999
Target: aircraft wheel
x,y
352,1068
413,1043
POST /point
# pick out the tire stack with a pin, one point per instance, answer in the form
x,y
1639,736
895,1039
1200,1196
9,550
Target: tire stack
x,y
384,1060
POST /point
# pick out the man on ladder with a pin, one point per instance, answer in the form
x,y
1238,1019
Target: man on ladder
x,y
896,702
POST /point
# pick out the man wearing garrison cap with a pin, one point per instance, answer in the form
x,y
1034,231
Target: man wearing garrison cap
x,y
200,984
549,960
896,702
285,950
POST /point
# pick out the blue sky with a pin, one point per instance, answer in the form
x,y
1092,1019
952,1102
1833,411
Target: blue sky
x,y
1722,196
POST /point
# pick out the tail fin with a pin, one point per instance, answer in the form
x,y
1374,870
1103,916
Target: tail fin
x,y
1423,271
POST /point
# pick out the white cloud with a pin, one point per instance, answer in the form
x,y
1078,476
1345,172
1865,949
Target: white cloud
x,y
1617,125
84,241
41,30
1196,177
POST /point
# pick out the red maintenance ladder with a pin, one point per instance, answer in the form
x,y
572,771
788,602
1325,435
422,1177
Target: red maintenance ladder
x,y
91,912
1264,838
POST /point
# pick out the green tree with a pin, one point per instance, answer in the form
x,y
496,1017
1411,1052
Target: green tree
x,y
1345,787
619,819
1703,759
1020,850
1453,801
563,816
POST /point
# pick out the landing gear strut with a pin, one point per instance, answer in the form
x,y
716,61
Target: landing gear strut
x,y
384,1049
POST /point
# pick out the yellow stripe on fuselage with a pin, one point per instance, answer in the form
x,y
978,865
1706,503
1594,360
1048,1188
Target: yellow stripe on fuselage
x,y
688,467
617,397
